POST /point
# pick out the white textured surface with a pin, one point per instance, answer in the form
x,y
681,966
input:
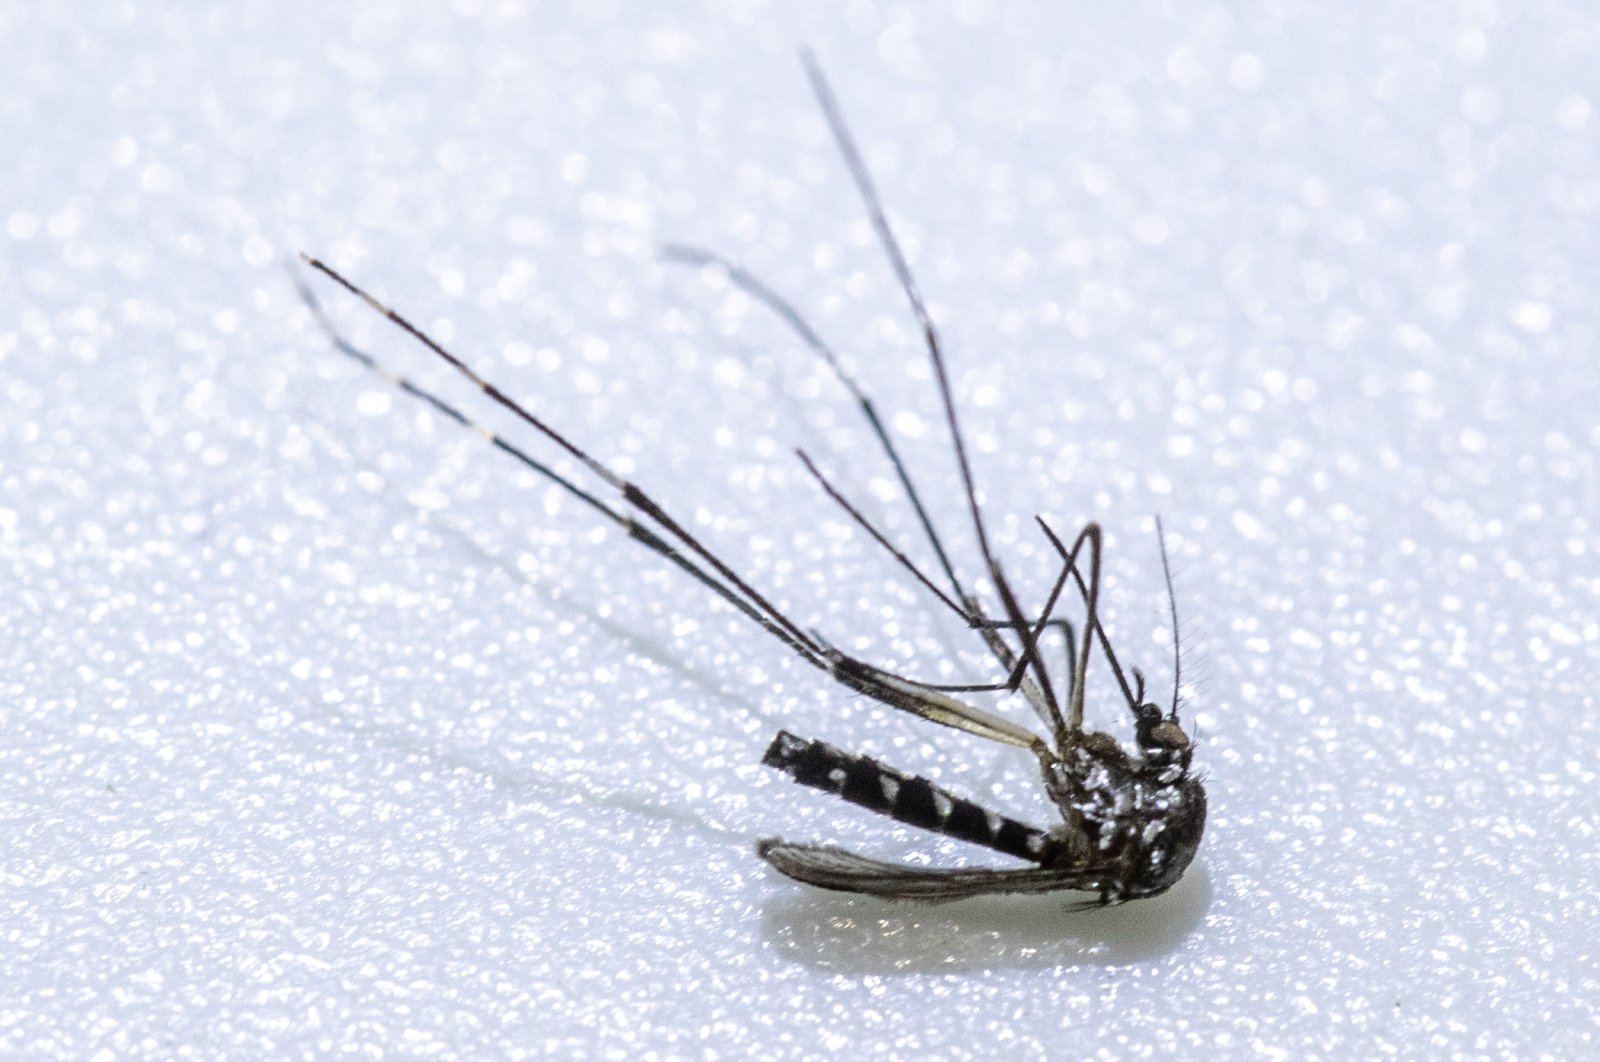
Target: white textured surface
x,y
326,731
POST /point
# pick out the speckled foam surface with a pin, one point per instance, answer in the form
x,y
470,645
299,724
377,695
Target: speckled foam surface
x,y
326,732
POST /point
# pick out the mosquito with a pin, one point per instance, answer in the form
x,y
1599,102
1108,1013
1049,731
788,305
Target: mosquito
x,y
1131,818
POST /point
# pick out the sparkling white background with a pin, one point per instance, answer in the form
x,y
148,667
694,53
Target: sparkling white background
x,y
327,731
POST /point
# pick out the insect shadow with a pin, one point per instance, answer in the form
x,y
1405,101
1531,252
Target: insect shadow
x,y
1130,819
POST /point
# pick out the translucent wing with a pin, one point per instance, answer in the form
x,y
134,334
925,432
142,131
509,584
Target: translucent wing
x,y
827,867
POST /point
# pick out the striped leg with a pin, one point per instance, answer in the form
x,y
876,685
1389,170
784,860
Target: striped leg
x,y
905,798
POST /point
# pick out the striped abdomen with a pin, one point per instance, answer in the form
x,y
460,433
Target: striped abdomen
x,y
905,798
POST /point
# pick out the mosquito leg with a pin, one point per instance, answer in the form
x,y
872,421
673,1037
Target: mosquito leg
x,y
970,611
891,246
932,705
1090,534
863,679
1044,614
1093,629
1036,689
344,346
1044,704
1040,695
785,311
1070,636
866,525
730,586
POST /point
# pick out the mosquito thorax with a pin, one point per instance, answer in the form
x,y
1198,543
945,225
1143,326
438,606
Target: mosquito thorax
x,y
1182,822
1098,747
1137,819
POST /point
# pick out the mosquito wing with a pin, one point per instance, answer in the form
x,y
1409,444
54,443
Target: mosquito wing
x,y
827,867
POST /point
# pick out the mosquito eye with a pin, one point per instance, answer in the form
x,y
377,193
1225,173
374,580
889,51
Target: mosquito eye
x,y
1167,734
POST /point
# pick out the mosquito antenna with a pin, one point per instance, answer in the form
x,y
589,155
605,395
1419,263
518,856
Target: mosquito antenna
x,y
1172,606
897,258
774,302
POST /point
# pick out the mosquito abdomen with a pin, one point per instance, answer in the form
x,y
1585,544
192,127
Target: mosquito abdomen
x,y
905,798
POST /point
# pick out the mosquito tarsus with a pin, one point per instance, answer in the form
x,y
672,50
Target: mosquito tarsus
x,y
1131,819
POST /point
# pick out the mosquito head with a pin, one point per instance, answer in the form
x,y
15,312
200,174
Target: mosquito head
x,y
1161,739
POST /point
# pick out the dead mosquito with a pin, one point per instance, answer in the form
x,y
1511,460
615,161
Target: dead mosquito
x,y
1131,820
